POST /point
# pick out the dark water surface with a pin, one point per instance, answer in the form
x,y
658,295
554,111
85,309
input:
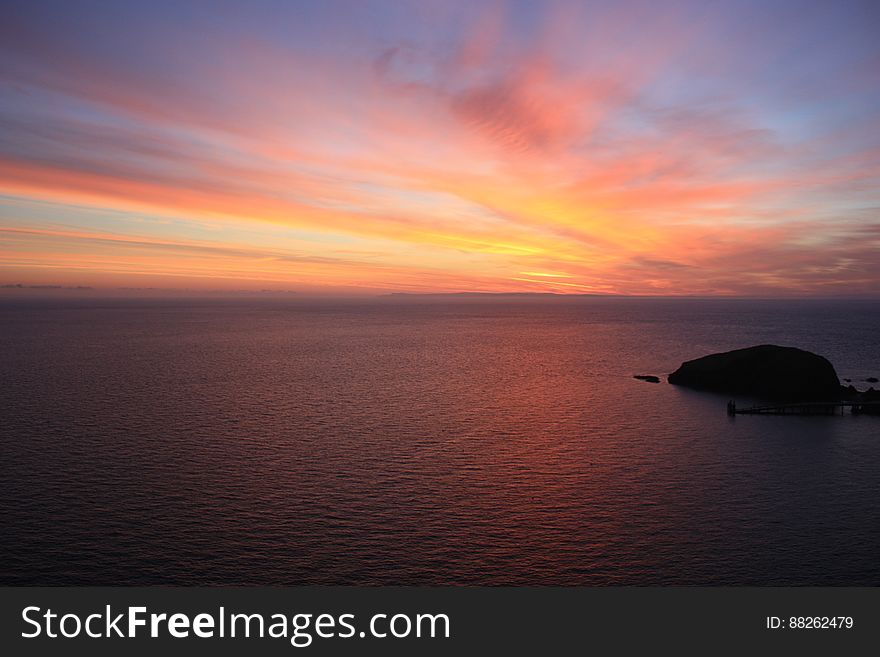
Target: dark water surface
x,y
449,442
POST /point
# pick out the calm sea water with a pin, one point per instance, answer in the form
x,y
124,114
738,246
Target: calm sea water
x,y
444,442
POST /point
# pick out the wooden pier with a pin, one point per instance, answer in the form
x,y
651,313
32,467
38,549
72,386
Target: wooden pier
x,y
808,408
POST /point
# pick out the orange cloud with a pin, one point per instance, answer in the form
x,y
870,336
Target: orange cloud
x,y
573,163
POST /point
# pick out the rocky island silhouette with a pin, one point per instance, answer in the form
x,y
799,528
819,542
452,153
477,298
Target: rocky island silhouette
x,y
799,379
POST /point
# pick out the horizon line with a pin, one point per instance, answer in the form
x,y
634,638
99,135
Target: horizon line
x,y
8,291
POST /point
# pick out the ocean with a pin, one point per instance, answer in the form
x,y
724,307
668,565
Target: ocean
x,y
424,441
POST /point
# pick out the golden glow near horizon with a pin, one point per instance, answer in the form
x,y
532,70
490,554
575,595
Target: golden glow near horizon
x,y
557,147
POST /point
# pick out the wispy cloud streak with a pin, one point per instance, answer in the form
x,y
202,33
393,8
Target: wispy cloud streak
x,y
452,146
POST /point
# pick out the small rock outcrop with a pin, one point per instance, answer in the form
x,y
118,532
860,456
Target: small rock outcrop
x,y
849,393
650,378
870,400
765,371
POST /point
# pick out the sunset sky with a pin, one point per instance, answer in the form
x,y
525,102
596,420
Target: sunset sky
x,y
728,148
